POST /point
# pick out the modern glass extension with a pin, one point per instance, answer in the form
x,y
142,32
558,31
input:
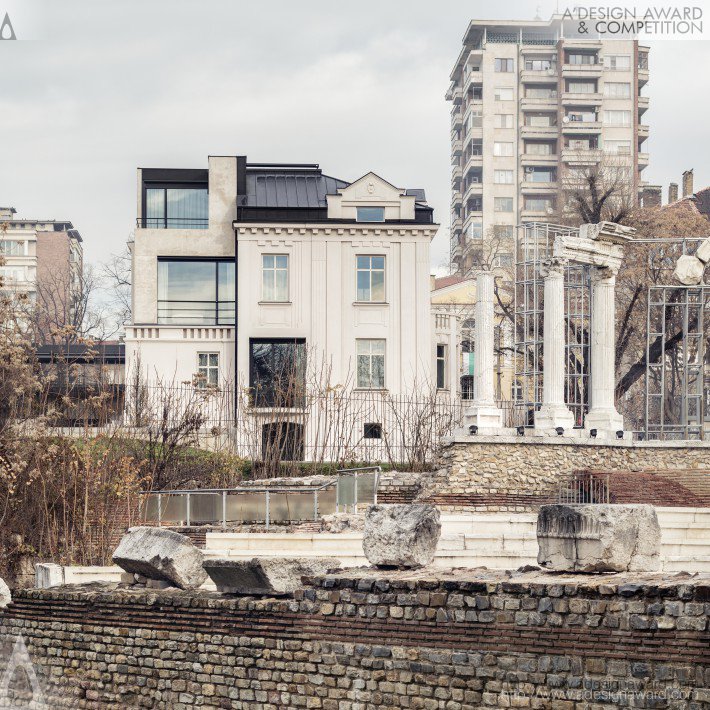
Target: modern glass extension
x,y
196,292
176,208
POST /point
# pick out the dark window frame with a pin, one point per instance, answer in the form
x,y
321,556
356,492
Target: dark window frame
x,y
165,186
261,398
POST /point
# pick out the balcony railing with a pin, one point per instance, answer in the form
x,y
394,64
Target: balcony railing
x,y
196,312
172,222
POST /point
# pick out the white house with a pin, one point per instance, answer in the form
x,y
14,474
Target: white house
x,y
261,276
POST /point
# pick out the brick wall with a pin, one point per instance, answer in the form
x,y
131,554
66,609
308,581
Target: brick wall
x,y
363,639
519,474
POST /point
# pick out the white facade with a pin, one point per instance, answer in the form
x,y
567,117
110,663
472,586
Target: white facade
x,y
349,291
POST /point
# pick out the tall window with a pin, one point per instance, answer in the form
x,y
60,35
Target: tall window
x,y
371,278
371,364
503,231
475,119
176,208
503,120
503,204
504,65
199,292
277,372
503,93
503,177
617,89
441,367
207,369
274,277
502,149
370,214
475,229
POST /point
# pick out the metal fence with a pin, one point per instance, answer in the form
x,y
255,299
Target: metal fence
x,y
584,487
262,504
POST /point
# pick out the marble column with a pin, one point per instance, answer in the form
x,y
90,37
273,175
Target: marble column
x,y
602,414
554,412
483,412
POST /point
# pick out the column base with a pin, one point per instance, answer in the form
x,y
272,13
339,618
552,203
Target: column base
x,y
487,417
551,416
606,421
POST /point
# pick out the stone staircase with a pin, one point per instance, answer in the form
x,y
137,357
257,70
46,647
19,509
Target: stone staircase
x,y
495,540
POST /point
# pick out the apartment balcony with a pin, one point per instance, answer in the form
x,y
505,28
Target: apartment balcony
x,y
643,159
643,104
172,333
528,187
577,128
583,44
182,223
582,71
539,131
474,161
540,76
533,160
538,103
536,215
475,189
456,224
581,156
456,199
643,130
456,146
643,76
570,98
456,249
456,173
456,121
475,78
457,95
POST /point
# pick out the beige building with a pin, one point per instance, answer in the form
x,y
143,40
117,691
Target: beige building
x,y
43,260
532,109
453,300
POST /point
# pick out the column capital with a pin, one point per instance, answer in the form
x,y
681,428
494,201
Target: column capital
x,y
604,273
553,267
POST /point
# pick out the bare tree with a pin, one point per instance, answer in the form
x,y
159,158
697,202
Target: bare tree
x,y
117,272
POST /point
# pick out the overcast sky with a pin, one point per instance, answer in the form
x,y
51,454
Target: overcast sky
x,y
113,85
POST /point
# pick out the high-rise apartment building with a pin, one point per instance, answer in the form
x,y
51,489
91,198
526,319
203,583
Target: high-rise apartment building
x,y
533,108
43,260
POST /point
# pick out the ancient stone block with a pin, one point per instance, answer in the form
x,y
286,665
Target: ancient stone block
x,y
703,251
598,538
401,535
48,574
161,554
5,596
689,270
266,575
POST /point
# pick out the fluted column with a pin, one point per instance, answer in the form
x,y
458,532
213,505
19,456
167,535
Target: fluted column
x,y
603,415
484,412
554,412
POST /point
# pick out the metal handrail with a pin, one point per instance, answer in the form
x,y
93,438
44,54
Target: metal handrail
x,y
267,491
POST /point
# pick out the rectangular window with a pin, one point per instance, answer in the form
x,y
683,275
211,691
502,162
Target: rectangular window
x,y
11,247
503,93
441,367
617,62
540,120
538,204
503,177
582,87
503,149
540,174
207,369
475,229
617,118
537,148
196,292
538,64
541,92
617,89
372,430
277,372
503,261
503,120
503,204
504,65
371,278
503,231
371,364
176,208
370,214
618,147
581,58
475,119
580,116
274,278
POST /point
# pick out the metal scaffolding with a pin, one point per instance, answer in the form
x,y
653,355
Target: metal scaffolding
x,y
534,244
677,368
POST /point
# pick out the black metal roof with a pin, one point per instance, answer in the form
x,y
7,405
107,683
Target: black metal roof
x,y
110,352
288,187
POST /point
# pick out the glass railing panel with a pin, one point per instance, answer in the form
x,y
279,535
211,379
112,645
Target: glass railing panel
x,y
246,508
346,490
205,508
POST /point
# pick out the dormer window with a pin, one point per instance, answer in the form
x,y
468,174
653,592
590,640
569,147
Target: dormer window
x,y
370,214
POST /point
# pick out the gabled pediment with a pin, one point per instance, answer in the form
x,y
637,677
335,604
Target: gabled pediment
x,y
371,188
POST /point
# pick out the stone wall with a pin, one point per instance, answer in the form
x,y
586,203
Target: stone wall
x,y
520,473
356,640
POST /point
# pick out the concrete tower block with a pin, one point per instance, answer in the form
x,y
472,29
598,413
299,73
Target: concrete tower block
x,y
598,538
161,555
401,535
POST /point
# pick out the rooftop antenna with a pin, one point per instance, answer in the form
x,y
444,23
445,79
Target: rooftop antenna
x,y
537,17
